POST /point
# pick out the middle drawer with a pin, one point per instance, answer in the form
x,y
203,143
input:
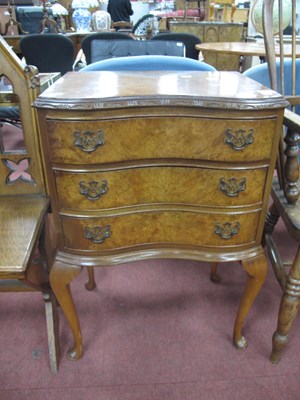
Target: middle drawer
x,y
157,185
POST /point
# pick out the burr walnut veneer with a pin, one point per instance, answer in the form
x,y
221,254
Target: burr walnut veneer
x,y
158,164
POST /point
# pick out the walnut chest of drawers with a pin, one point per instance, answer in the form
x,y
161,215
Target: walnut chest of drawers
x,y
158,164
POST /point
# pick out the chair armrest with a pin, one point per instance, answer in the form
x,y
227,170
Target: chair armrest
x,y
291,120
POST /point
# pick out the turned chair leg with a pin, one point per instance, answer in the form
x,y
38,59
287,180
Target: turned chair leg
x,y
288,310
273,253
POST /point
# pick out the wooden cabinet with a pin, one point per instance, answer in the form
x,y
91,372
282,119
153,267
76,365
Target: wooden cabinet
x,y
214,32
158,164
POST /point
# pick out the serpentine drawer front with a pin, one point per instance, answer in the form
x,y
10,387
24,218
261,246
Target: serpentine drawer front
x,y
124,139
170,227
113,188
158,164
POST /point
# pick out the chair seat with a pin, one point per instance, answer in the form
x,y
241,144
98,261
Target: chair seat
x,y
9,112
21,221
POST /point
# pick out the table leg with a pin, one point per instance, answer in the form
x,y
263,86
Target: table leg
x,y
61,275
256,269
288,310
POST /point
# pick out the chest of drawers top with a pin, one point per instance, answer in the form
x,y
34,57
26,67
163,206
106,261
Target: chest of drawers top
x,y
98,90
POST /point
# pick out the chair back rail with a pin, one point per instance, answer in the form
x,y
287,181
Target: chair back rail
x,y
287,163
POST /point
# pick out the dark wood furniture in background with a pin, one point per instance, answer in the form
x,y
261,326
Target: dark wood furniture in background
x,y
214,32
24,245
158,165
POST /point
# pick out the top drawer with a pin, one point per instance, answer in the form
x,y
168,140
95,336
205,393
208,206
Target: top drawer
x,y
103,141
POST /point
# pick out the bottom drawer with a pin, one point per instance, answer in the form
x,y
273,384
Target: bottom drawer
x,y
159,227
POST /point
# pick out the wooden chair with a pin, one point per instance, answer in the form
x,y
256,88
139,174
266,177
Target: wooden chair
x,y
24,245
285,191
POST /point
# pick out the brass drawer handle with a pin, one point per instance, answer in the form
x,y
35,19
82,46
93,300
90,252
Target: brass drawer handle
x,y
232,187
88,141
97,234
239,140
93,190
227,230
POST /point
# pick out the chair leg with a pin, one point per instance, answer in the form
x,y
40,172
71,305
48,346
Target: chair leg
x,y
273,253
288,310
271,219
90,284
52,322
186,9
276,261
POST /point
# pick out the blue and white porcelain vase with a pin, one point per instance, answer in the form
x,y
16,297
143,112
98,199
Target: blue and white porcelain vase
x,y
81,15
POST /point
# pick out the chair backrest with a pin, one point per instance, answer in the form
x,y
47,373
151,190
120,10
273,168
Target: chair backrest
x,y
104,49
146,26
188,39
274,15
49,52
21,171
148,63
87,41
101,20
273,37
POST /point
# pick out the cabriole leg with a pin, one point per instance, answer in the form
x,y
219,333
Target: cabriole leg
x,y
60,277
256,269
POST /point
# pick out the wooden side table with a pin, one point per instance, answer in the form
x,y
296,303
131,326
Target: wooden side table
x,y
160,164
